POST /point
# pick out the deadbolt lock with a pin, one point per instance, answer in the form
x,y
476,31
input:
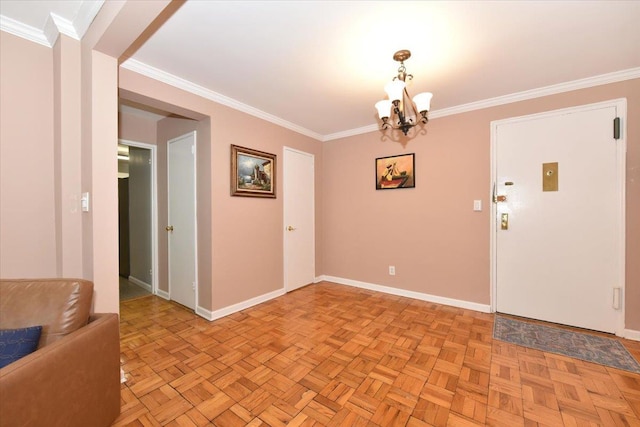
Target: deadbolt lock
x,y
504,221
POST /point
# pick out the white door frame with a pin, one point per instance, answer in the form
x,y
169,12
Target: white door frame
x,y
154,207
195,216
287,286
621,150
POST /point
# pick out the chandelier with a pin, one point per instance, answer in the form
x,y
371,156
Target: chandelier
x,y
399,111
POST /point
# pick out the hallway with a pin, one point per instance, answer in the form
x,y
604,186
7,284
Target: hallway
x,y
129,290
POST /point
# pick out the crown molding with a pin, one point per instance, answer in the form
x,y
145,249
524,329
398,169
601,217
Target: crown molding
x,y
19,29
63,26
55,25
86,14
351,132
154,73
617,76
170,79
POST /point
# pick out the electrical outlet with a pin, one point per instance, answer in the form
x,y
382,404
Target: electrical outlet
x,y
392,270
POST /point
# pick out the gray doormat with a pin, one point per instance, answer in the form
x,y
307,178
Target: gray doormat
x,y
591,348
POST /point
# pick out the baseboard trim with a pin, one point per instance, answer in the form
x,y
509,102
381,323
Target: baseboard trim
x,y
217,314
203,312
484,308
631,334
140,283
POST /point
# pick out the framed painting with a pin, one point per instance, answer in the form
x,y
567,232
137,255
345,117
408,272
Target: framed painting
x,y
395,172
253,173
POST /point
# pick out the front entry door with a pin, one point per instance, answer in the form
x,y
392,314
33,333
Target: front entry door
x,y
299,232
182,219
559,242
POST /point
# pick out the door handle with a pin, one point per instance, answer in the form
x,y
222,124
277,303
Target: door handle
x,y
169,228
290,228
496,198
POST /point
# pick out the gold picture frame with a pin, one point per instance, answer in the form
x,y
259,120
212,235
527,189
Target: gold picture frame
x,y
253,173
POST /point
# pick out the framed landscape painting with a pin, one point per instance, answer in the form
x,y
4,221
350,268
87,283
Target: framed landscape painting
x,y
395,172
253,173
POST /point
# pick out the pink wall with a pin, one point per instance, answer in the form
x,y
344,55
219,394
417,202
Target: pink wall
x,y
27,206
67,154
117,26
233,219
137,129
437,243
430,233
71,92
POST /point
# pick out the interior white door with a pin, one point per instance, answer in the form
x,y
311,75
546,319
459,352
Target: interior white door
x,y
182,219
562,256
299,219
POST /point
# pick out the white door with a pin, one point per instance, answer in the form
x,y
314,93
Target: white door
x,y
299,219
182,219
561,258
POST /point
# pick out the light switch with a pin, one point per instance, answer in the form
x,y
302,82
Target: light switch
x,y
84,202
477,205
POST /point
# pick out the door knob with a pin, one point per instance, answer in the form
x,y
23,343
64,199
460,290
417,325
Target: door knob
x,y
501,198
290,228
169,228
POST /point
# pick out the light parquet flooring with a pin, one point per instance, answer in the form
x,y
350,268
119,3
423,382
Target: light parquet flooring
x,y
334,355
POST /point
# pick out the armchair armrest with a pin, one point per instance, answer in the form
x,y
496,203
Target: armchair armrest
x,y
74,381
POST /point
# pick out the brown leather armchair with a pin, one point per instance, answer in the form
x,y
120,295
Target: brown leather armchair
x,y
73,378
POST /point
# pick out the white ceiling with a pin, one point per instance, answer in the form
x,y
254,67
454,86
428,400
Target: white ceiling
x,y
319,66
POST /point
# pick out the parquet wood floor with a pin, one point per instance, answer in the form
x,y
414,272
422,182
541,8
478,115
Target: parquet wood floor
x,y
334,355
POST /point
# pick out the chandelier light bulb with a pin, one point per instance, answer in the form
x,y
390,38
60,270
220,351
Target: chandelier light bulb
x,y
423,101
394,90
384,108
